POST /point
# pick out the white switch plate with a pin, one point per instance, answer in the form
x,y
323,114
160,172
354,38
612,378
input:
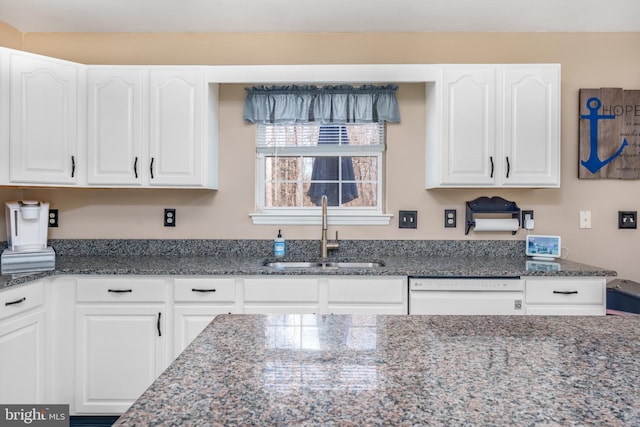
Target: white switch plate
x,y
585,219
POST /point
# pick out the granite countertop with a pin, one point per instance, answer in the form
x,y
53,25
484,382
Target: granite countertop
x,y
254,265
300,370
247,257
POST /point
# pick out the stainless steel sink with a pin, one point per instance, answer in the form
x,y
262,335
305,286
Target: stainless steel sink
x,y
350,264
323,264
293,264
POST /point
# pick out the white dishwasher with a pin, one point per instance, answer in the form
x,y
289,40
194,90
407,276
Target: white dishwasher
x,y
466,296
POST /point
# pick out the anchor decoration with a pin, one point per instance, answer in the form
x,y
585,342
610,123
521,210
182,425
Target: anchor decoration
x,y
594,163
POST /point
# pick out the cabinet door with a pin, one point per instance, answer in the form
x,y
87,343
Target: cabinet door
x,y
531,125
176,127
190,320
469,127
22,359
115,126
43,135
120,352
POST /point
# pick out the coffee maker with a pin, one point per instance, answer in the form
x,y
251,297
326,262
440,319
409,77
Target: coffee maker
x,y
27,226
27,223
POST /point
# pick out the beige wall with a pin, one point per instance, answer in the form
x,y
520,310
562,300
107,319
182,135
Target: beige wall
x,y
588,61
10,36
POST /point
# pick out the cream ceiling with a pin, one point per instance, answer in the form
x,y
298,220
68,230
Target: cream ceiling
x,y
321,15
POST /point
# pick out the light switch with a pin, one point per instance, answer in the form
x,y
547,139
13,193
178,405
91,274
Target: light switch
x,y
408,219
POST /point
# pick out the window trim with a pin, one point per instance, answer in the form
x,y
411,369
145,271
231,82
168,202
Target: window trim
x,y
313,216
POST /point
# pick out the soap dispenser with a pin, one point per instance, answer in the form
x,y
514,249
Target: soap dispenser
x,y
279,245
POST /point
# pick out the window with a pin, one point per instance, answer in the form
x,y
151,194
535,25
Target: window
x,y
320,141
299,163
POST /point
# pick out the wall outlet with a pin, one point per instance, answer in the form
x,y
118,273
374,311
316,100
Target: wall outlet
x,y
449,218
169,217
527,220
408,219
53,217
627,219
585,219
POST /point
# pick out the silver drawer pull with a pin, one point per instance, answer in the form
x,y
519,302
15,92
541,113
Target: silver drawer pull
x,y
565,292
18,301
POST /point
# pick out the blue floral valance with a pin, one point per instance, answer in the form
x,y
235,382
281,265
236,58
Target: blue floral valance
x,y
326,104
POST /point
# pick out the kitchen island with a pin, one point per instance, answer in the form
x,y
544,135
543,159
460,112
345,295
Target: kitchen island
x,y
401,370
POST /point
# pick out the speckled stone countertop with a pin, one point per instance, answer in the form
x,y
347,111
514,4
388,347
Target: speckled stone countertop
x,y
307,370
406,258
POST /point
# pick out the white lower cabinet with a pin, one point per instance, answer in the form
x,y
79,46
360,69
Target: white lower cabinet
x,y
367,295
566,296
22,345
196,302
281,294
121,341
325,295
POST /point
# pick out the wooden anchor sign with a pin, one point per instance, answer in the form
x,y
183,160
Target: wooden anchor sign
x,y
609,133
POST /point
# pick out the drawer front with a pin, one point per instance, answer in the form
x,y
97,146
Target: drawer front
x,y
565,292
204,290
20,299
121,290
572,310
281,289
367,290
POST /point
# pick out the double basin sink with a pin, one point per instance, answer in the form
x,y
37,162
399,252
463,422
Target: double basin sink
x,y
334,265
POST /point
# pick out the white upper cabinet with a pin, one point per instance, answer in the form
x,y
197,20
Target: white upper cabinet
x,y
177,126
469,125
531,125
148,126
494,126
43,120
115,126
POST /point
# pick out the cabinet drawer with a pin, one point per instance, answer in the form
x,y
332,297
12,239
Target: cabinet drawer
x,y
281,289
20,299
367,290
572,310
121,290
565,292
204,290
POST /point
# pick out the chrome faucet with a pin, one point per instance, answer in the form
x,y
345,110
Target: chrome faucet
x,y
325,245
